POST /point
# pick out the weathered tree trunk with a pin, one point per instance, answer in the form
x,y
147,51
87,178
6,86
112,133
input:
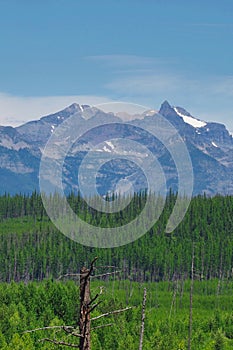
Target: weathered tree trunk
x,y
191,303
219,276
86,307
143,320
84,316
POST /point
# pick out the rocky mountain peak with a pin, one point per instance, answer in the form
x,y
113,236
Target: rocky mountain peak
x,y
166,108
210,146
75,107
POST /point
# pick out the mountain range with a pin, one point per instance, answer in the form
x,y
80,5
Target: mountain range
x,y
210,146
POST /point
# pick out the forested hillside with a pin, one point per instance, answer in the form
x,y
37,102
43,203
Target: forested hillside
x,y
33,249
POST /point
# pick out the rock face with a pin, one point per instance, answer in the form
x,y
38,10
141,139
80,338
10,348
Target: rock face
x,y
210,146
211,149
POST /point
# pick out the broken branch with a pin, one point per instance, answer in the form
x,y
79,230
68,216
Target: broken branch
x,y
111,313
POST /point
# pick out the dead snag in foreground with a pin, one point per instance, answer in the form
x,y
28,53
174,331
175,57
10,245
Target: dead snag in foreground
x,y
87,305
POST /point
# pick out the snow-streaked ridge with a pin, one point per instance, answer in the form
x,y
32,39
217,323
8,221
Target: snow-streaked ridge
x,y
190,120
109,143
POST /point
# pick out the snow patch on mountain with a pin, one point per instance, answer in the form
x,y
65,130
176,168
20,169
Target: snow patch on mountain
x,y
106,149
109,143
196,123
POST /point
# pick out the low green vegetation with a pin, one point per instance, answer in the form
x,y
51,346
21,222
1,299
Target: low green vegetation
x,y
51,303
34,254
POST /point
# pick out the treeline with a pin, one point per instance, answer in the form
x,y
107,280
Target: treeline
x,y
32,248
21,205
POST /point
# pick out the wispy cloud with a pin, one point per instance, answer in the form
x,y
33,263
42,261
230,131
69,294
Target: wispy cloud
x,y
151,80
131,63
222,85
143,80
147,84
141,84
211,97
16,110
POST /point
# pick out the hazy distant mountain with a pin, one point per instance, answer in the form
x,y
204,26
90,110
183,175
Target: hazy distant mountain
x,y
210,146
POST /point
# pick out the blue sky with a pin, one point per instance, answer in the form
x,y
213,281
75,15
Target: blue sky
x,y
56,52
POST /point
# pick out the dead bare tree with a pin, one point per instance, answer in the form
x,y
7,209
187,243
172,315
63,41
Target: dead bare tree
x,y
220,276
143,319
191,302
87,305
176,287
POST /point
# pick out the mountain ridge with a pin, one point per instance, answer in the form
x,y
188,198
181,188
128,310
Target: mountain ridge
x,y
210,146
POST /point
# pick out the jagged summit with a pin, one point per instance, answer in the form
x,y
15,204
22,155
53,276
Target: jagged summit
x,y
178,114
165,107
210,146
71,109
76,107
165,104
